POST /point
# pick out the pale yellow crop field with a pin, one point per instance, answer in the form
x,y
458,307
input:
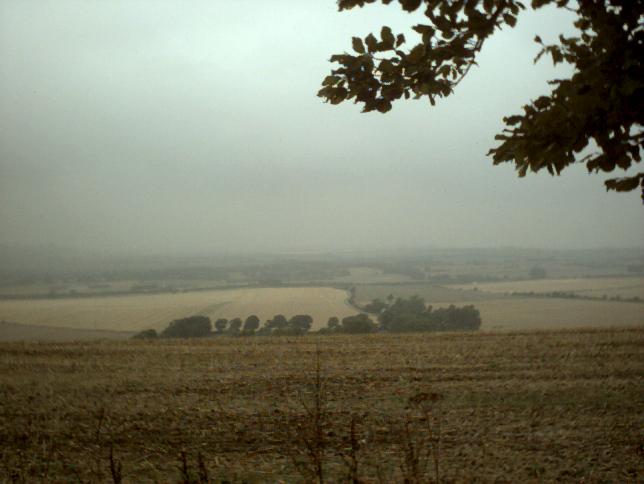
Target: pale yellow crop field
x,y
611,286
136,312
530,313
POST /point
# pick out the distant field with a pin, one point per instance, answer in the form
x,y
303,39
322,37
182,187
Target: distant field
x,y
133,313
596,287
365,275
500,311
430,292
549,313
26,332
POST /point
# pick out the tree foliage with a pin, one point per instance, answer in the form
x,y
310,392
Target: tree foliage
x,y
407,315
360,323
251,324
234,326
190,327
220,325
300,323
594,117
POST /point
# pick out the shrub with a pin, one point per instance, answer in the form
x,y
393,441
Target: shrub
x,y
191,327
407,315
146,334
251,324
220,325
360,323
234,326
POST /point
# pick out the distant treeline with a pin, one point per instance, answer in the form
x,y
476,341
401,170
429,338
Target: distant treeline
x,y
573,295
401,315
266,273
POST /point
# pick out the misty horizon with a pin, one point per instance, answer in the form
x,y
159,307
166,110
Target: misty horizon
x,y
146,128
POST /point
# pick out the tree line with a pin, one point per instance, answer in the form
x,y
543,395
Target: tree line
x,y
394,316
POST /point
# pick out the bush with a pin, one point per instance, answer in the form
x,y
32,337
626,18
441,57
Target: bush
x,y
407,315
146,334
360,323
191,327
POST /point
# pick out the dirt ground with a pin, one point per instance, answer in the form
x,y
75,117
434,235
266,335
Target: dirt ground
x,y
505,407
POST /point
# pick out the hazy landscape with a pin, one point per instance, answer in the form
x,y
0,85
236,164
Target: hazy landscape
x,y
351,241
607,292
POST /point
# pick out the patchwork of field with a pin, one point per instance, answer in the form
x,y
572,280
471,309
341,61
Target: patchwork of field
x,y
430,292
502,311
362,275
626,287
137,312
488,407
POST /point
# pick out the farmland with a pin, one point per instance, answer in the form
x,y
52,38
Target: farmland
x,y
625,287
501,310
136,312
521,406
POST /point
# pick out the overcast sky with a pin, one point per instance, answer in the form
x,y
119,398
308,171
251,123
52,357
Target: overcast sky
x,y
173,126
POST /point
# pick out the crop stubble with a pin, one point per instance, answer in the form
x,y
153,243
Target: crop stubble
x,y
517,406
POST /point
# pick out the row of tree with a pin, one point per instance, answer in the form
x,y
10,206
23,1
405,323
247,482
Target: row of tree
x,y
394,316
201,326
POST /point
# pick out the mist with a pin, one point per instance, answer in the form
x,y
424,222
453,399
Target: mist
x,y
174,127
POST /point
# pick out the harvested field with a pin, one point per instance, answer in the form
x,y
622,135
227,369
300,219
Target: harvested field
x,y
133,313
25,332
511,407
626,287
531,313
430,292
505,312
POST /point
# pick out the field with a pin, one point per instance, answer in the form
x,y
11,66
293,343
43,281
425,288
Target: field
x,y
136,312
500,310
502,407
626,287
550,313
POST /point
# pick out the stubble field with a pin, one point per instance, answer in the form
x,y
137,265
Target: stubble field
x,y
503,407
625,287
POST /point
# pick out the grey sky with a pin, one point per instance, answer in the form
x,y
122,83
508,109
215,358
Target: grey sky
x,y
179,126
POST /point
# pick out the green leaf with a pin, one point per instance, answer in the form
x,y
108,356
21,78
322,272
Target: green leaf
x,y
383,105
330,80
371,42
542,102
624,184
410,5
387,37
357,44
400,40
512,120
416,54
510,19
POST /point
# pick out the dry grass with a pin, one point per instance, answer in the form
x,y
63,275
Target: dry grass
x,y
532,313
25,332
611,286
516,407
136,312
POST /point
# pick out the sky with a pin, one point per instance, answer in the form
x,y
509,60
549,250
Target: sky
x,y
178,127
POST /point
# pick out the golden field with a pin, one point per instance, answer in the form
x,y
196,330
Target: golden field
x,y
486,407
531,313
501,311
137,312
626,287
